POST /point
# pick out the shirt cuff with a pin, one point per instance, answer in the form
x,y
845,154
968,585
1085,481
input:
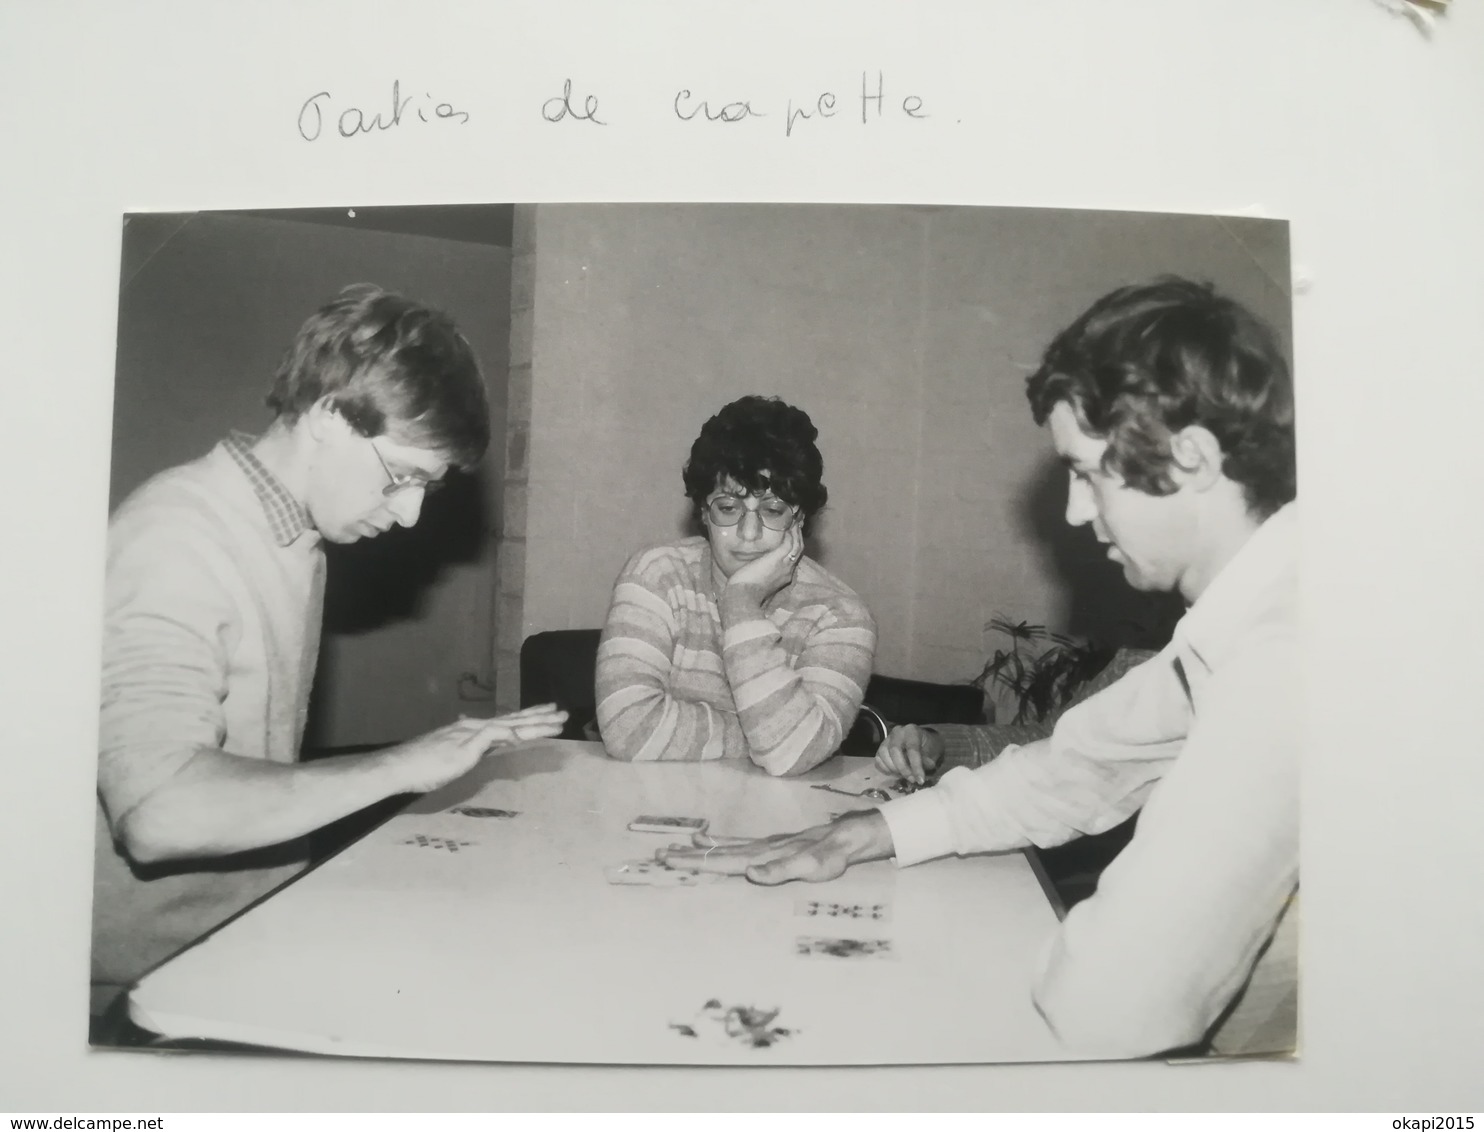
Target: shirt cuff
x,y
736,609
919,827
959,746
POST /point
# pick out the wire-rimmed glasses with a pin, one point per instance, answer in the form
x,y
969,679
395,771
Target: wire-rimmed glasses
x,y
727,511
397,483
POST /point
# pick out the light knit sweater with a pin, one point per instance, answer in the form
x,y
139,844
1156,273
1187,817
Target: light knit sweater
x,y
210,636
682,675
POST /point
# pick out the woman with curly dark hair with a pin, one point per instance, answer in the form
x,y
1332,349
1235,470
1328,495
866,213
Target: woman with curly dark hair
x,y
734,644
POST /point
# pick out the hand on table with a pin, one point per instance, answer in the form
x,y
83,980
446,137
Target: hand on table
x,y
819,853
910,752
766,575
440,756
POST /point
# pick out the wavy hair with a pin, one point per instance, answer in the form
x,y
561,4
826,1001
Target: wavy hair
x,y
752,436
1146,361
389,366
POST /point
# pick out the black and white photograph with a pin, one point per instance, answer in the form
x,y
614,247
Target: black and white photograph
x,y
701,634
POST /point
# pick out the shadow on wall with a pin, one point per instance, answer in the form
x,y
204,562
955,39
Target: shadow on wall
x,y
376,581
817,543
1097,603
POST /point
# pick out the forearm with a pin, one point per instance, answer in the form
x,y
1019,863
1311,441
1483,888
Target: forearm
x,y
973,745
639,716
1093,771
642,722
866,836
793,715
219,803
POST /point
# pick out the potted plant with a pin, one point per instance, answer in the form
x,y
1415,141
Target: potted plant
x,y
1040,672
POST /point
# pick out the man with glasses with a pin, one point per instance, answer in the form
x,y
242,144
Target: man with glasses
x,y
213,601
734,644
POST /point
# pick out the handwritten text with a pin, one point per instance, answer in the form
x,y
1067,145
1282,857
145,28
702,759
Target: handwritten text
x,y
353,120
579,105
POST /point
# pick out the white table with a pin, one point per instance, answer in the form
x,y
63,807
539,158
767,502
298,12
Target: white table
x,y
514,947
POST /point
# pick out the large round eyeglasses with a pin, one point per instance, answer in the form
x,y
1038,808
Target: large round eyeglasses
x,y
727,511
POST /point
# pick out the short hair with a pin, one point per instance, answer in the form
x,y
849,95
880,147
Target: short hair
x,y
389,366
753,435
1146,361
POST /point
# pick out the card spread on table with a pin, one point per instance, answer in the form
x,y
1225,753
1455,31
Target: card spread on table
x,y
749,1026
651,823
879,910
451,844
834,947
654,874
483,812
907,786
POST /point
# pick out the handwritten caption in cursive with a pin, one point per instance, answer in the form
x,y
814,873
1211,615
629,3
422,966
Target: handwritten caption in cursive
x,y
321,116
353,120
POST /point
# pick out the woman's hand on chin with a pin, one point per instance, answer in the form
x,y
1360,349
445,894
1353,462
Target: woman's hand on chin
x,y
765,575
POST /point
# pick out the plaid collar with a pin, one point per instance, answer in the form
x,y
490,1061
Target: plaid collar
x,y
286,515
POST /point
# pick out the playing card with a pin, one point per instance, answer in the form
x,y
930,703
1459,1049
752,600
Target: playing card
x,y
878,911
656,875
748,1026
483,812
448,844
834,947
650,823
907,786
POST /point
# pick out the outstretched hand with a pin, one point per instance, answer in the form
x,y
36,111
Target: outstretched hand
x,y
440,756
820,853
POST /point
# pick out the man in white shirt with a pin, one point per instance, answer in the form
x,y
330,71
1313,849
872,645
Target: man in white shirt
x,y
1172,408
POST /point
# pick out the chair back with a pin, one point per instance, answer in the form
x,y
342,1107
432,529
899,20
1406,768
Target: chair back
x,y
559,666
894,700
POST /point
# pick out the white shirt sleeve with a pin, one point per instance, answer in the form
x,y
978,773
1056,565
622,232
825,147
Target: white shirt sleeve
x,y
1094,771
1148,962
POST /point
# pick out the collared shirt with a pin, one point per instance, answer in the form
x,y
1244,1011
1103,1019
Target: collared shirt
x,y
1205,738
286,515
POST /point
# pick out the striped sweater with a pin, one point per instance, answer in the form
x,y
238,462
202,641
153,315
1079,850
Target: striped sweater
x,y
683,675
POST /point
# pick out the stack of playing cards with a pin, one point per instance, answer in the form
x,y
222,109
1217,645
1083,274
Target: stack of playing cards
x,y
834,947
748,1026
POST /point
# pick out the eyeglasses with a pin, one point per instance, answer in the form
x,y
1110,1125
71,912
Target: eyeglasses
x,y
396,483
727,511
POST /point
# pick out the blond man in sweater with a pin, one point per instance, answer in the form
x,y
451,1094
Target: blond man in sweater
x,y
213,600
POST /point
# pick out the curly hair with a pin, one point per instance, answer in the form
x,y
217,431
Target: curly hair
x,y
389,366
1146,361
750,437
